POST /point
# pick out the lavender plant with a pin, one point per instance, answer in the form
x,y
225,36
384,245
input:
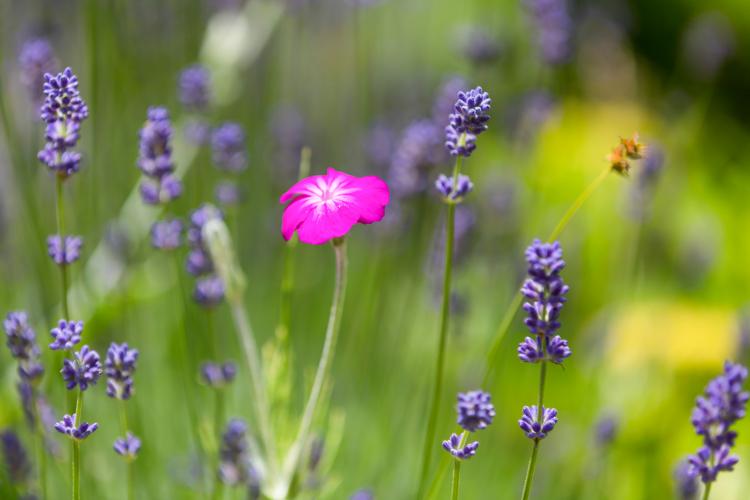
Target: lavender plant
x,y
475,412
469,119
721,406
545,292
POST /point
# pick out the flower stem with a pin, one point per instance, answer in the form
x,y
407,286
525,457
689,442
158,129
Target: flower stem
x,y
76,449
707,491
515,304
125,428
326,358
456,479
443,336
60,215
42,452
252,358
218,422
535,449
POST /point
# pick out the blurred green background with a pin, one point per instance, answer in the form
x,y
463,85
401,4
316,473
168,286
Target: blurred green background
x,y
657,266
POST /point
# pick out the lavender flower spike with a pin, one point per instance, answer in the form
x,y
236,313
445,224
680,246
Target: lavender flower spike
x,y
723,403
453,446
128,447
469,120
166,234
155,159
82,371
66,335
195,87
21,341
16,459
444,185
35,59
475,411
531,425
228,145
68,426
119,368
235,468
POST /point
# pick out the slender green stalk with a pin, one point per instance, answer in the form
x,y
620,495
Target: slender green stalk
x,y
252,358
532,461
515,304
326,358
456,479
443,337
60,215
707,491
41,451
218,424
76,448
125,429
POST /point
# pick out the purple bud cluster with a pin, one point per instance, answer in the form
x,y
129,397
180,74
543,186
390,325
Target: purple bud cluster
x,y
234,466
722,405
537,424
21,340
209,289
229,154
475,411
64,250
69,426
194,88
35,59
16,459
554,29
119,367
128,447
218,375
414,156
545,292
445,187
63,111
82,371
66,335
468,120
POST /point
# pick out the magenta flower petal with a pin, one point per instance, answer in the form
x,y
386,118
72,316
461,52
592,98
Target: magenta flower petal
x,y
324,207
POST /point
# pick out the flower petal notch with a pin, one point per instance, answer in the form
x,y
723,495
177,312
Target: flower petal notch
x,y
324,207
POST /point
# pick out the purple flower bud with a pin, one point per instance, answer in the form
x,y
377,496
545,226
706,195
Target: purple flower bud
x,y
36,58
557,349
444,185
160,191
470,114
218,375
234,467
544,288
68,426
209,291
453,446
194,87
66,335
166,234
228,145
128,447
21,340
119,367
82,371
475,411
64,254
554,28
63,163
17,462
228,193
686,484
198,262
530,424
530,350
155,157
63,101
707,463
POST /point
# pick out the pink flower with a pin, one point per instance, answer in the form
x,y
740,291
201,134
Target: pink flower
x,y
327,206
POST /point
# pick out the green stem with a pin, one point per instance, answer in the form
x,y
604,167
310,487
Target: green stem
x,y
456,479
326,358
442,339
76,448
513,307
125,428
218,423
707,491
42,452
252,358
60,214
532,461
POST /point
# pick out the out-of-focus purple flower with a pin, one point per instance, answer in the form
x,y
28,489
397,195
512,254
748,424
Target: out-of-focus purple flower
x,y
68,425
289,131
63,110
317,446
21,340
26,395
723,403
445,101
82,371
380,144
64,251
166,234
554,29
155,159
198,219
127,447
417,152
120,366
66,335
444,185
475,410
533,426
453,446
686,484
198,262
35,59
229,151
198,131
363,494
480,47
228,193
218,375
234,466
209,291
605,430
17,462
709,41
194,87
